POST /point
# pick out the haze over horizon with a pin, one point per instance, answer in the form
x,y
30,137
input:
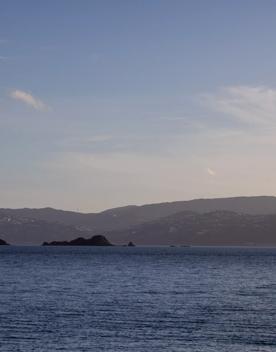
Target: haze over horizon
x,y
105,104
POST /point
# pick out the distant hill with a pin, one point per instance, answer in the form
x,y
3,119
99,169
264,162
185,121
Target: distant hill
x,y
214,228
18,230
123,217
34,226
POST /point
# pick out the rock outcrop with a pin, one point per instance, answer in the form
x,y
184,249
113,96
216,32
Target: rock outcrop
x,y
3,243
98,240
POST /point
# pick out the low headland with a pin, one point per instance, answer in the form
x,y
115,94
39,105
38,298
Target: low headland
x,y
97,240
3,243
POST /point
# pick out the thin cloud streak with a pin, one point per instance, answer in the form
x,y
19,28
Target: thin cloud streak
x,y
29,99
248,104
211,172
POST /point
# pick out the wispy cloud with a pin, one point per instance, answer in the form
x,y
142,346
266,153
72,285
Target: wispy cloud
x,y
98,138
29,99
175,118
84,142
256,105
210,172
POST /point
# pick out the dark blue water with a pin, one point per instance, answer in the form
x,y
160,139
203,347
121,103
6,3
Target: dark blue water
x,y
137,299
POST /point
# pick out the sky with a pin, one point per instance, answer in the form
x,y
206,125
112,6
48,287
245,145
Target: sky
x,y
107,103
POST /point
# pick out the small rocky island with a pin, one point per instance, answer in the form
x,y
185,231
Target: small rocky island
x,y
3,243
97,240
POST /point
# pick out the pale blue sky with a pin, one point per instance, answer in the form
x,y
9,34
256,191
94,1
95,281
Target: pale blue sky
x,y
107,103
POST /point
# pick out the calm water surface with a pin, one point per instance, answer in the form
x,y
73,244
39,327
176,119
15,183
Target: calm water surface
x,y
137,299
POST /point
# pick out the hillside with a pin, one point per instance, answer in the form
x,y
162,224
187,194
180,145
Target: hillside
x,y
34,226
214,228
122,217
19,230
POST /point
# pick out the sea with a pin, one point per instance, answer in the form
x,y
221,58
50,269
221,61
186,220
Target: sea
x,y
137,299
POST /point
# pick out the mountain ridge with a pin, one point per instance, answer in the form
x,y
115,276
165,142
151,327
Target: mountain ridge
x,y
49,224
218,228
